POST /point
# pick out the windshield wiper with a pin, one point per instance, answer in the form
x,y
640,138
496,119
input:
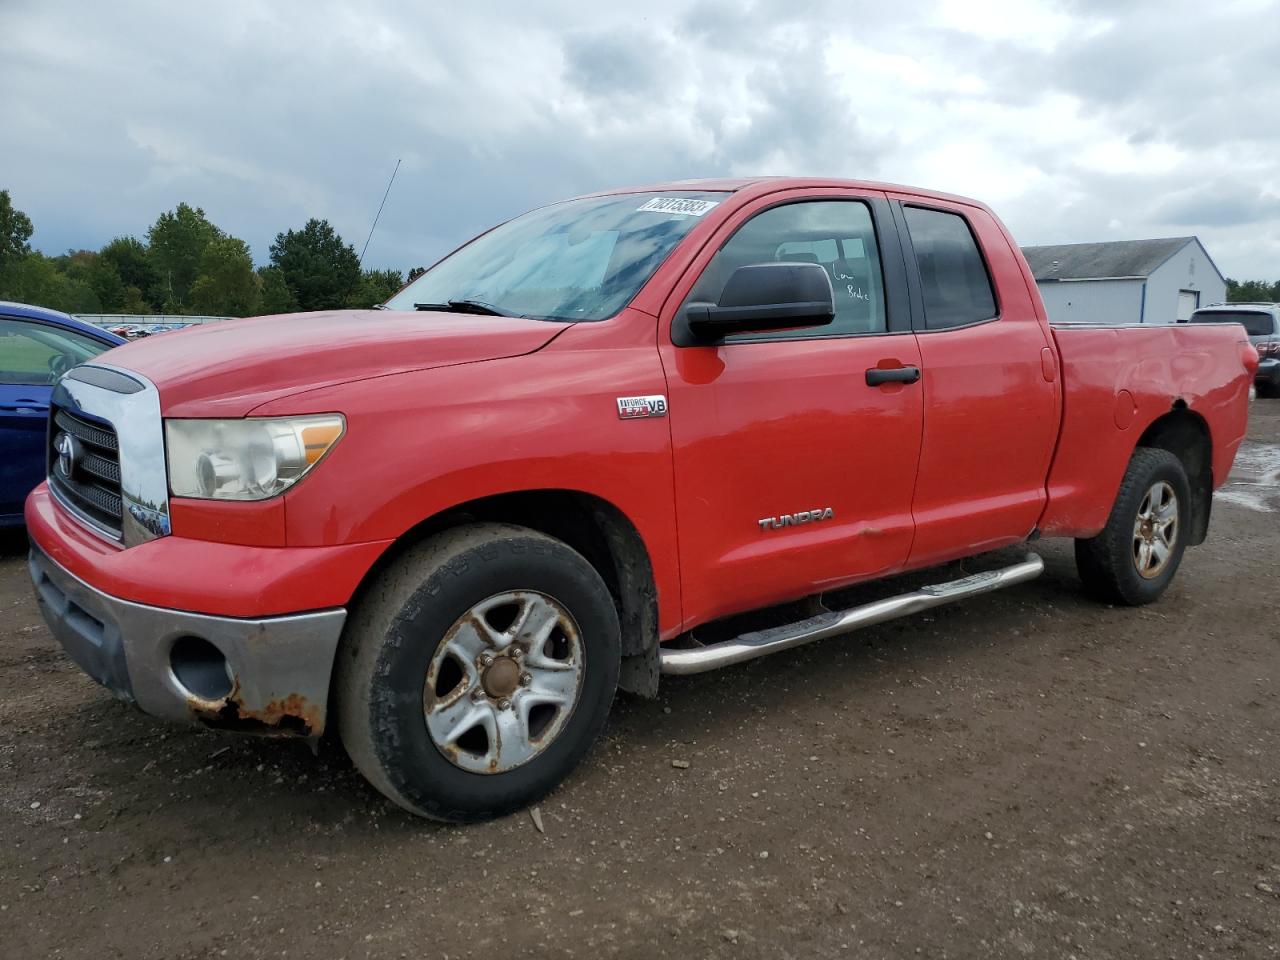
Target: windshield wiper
x,y
467,306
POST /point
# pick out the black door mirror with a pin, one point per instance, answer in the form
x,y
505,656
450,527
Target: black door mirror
x,y
761,297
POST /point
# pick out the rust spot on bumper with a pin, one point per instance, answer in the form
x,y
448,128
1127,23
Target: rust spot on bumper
x,y
291,716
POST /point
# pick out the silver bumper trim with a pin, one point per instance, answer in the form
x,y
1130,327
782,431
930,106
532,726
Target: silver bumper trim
x,y
279,667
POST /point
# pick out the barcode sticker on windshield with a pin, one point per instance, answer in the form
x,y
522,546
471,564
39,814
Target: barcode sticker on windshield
x,y
692,208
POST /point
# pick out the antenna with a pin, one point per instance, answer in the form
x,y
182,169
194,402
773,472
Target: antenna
x,y
379,213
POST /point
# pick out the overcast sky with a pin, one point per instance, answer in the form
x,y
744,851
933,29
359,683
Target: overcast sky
x,y
1075,121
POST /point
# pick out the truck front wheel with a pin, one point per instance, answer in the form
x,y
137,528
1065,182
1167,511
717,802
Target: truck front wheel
x,y
1137,553
477,671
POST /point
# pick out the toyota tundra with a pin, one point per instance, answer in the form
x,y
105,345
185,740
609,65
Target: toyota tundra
x,y
449,529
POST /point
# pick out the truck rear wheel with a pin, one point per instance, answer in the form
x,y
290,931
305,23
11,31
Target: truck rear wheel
x,y
1134,558
477,671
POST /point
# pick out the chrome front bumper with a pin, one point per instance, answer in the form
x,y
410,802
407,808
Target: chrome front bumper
x,y
277,669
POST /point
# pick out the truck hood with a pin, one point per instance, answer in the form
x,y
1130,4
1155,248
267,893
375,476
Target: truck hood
x,y
229,367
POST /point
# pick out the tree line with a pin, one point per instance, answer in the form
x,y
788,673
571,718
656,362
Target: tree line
x,y
1252,291
188,265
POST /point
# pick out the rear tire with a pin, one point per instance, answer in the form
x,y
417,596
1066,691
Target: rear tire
x,y
477,671
1134,558
1267,391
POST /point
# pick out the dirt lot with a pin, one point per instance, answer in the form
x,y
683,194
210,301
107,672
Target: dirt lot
x,y
1029,774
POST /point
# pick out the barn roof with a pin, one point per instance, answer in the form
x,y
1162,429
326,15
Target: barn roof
x,y
1107,260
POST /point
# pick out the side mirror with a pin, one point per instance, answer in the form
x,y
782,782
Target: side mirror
x,y
761,297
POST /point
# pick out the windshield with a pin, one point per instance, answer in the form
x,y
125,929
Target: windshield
x,y
1255,324
578,260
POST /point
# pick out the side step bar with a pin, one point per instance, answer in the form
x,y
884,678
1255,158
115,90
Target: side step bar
x,y
758,643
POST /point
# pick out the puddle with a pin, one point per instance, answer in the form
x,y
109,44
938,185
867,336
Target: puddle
x,y
1235,493
1255,478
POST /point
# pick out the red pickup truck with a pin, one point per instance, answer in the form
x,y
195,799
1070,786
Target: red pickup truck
x,y
453,527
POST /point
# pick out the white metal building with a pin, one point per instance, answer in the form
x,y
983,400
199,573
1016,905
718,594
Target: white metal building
x,y
1126,281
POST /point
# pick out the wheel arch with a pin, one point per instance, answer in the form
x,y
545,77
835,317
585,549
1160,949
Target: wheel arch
x,y
1186,435
592,526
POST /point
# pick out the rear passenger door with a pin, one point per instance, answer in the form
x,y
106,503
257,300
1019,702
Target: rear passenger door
x,y
991,397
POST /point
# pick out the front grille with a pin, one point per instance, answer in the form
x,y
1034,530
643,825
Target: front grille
x,y
92,488
100,435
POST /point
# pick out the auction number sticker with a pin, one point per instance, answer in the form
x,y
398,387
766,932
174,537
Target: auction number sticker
x,y
684,205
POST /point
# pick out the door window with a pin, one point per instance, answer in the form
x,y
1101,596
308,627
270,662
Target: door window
x,y
953,277
36,354
838,235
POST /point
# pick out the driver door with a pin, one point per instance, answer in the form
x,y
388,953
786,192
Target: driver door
x,y
794,470
32,354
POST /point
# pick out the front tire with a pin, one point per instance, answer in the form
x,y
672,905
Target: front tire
x,y
477,671
1134,558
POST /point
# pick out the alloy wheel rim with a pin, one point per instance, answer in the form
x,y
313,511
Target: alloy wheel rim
x,y
503,681
1155,530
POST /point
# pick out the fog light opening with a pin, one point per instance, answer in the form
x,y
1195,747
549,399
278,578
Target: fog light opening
x,y
200,668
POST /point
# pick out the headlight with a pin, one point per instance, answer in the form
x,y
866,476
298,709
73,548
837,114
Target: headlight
x,y
246,459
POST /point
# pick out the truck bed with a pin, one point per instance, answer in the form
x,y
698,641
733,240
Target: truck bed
x,y
1120,380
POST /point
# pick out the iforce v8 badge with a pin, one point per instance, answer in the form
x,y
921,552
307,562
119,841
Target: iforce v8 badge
x,y
634,408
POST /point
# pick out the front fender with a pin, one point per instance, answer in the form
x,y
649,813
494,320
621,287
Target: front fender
x,y
420,444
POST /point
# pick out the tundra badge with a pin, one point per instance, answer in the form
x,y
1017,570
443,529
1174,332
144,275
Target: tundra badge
x,y
795,519
633,408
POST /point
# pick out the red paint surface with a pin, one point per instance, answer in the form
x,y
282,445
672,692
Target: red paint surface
x,y
230,580
445,409
255,524
1158,366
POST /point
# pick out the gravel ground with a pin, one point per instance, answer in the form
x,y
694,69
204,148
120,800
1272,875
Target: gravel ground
x,y
1026,775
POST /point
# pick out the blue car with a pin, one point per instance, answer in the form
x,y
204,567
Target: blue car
x,y
36,347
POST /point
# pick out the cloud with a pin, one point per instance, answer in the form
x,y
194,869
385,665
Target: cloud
x,y
607,64
1077,121
1219,203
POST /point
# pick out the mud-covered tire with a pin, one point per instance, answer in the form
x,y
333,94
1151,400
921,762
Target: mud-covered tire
x,y
397,634
1109,563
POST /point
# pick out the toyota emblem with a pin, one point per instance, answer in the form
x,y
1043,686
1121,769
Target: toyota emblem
x,y
65,444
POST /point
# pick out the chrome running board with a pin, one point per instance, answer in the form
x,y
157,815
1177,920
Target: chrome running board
x,y
758,643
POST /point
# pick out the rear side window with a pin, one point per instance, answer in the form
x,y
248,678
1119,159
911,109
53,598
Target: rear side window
x,y
954,279
1256,324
